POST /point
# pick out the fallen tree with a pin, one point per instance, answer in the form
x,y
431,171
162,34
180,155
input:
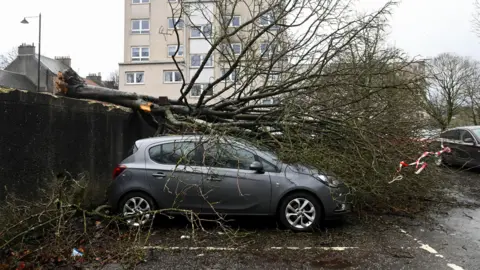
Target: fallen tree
x,y
338,97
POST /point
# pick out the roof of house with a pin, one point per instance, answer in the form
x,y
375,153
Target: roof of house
x,y
53,65
90,82
16,80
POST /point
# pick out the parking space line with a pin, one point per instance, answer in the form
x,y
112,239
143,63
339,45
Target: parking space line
x,y
235,249
429,249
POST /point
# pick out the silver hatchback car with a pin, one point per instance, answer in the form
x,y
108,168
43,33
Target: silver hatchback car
x,y
210,175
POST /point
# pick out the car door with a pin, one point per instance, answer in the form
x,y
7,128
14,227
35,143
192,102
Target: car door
x,y
174,176
470,149
451,138
229,186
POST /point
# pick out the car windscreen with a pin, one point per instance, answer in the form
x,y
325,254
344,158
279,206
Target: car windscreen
x,y
477,132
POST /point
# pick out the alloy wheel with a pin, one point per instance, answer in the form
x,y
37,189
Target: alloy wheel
x,y
300,213
137,206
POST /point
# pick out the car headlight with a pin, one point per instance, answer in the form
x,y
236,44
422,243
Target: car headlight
x,y
327,180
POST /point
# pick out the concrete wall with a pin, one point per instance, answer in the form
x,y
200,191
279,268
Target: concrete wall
x,y
42,135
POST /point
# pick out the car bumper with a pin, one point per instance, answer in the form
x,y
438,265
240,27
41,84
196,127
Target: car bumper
x,y
340,203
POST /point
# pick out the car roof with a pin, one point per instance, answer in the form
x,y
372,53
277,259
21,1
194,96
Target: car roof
x,y
464,127
174,137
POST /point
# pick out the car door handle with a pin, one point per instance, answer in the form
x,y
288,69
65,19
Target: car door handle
x,y
213,178
158,174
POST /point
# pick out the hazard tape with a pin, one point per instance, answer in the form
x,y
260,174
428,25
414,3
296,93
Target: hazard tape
x,y
419,164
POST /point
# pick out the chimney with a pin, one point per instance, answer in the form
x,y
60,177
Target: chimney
x,y
25,49
66,60
97,78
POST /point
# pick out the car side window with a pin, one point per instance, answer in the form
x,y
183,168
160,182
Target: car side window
x,y
267,166
222,155
182,153
451,135
465,135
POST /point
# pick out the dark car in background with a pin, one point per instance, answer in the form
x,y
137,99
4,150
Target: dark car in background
x,y
464,143
228,176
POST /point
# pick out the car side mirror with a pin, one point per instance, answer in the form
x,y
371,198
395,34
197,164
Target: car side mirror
x,y
468,140
256,166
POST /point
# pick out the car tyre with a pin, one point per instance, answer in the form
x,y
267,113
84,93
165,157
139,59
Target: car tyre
x,y
135,203
300,212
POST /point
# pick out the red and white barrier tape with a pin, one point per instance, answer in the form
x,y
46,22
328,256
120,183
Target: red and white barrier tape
x,y
419,165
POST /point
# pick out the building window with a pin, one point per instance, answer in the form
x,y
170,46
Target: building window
x,y
236,48
268,49
172,21
233,21
140,54
198,88
201,31
273,77
172,76
232,77
136,77
140,26
267,101
140,1
173,48
197,59
268,19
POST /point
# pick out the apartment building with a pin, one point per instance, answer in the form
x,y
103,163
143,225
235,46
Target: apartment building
x,y
151,41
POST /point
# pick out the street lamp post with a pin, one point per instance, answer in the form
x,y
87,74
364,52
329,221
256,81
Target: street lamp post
x,y
24,21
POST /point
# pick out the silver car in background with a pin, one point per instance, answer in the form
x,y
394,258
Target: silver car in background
x,y
227,176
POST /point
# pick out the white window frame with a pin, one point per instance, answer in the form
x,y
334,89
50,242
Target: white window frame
x,y
179,25
180,52
232,76
269,101
202,88
229,19
201,31
140,30
140,2
239,44
173,76
135,77
269,20
140,58
202,57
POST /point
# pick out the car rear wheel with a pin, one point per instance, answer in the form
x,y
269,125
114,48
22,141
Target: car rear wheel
x,y
300,212
134,204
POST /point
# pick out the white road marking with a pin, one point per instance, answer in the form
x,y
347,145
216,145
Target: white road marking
x,y
454,267
430,250
234,249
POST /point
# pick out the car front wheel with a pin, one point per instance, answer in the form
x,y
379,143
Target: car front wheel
x,y
300,212
135,204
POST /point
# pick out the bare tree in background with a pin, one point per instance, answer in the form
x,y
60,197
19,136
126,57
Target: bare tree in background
x,y
472,92
448,78
113,80
8,57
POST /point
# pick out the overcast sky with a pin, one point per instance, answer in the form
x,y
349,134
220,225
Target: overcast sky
x,y
91,31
